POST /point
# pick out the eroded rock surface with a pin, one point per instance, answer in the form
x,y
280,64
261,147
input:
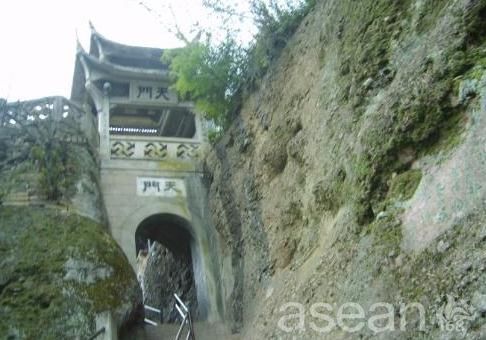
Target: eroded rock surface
x,y
58,271
355,173
164,276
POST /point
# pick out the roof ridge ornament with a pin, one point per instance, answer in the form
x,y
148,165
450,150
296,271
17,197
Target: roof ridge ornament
x,y
79,46
91,27
94,33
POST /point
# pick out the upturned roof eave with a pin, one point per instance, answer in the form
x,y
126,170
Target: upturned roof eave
x,y
123,72
116,46
101,47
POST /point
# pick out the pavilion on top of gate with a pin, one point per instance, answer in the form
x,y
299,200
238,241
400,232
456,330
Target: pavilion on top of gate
x,y
127,87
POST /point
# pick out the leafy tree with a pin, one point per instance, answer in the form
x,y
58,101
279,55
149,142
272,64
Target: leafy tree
x,y
208,75
215,74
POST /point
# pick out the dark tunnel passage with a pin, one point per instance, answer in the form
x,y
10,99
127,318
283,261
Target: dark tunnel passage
x,y
168,267
169,230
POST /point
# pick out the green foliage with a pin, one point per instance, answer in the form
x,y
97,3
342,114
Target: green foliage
x,y
37,146
214,135
403,186
208,75
55,169
276,25
216,75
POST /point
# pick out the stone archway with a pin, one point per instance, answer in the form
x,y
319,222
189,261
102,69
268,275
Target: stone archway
x,y
172,231
204,274
164,244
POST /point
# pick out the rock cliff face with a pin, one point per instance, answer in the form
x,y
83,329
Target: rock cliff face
x,y
59,267
355,173
165,275
57,272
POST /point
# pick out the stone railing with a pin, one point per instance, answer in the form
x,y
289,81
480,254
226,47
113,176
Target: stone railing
x,y
154,148
39,109
21,113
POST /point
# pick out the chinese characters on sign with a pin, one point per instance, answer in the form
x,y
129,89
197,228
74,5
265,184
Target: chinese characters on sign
x,y
156,186
148,92
151,92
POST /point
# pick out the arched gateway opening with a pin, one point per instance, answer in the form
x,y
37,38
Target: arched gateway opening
x,y
167,262
171,231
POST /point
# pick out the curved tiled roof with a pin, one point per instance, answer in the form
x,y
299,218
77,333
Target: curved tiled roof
x,y
117,60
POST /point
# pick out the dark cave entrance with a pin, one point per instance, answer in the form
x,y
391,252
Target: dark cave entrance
x,y
167,267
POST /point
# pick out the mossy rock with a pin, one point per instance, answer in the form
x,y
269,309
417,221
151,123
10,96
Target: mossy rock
x,y
404,185
425,117
38,299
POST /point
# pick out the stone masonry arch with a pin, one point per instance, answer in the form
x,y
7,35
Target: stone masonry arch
x,y
171,231
125,234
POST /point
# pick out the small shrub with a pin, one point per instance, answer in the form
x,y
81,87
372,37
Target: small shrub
x,y
38,148
56,169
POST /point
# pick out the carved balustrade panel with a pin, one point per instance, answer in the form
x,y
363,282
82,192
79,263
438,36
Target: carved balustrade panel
x,y
149,149
25,112
64,119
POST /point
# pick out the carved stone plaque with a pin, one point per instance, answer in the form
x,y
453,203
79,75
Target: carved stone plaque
x,y
159,186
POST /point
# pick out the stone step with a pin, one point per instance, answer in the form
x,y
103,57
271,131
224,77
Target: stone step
x,y
18,196
22,198
202,331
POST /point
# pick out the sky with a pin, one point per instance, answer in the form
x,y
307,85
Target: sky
x,y
38,37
